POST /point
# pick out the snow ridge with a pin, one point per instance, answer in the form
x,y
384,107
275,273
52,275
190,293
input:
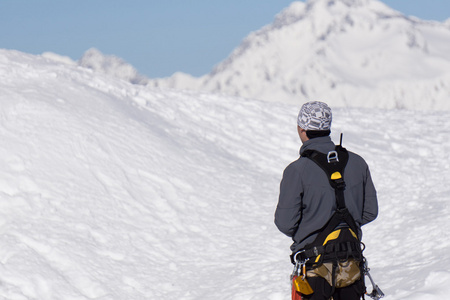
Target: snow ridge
x,y
112,190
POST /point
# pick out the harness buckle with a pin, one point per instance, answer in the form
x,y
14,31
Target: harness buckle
x,y
340,184
332,156
316,251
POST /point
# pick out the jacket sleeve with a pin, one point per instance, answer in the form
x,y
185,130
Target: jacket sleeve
x,y
370,209
288,211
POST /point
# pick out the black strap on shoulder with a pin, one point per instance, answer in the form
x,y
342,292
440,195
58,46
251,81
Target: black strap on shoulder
x,y
334,164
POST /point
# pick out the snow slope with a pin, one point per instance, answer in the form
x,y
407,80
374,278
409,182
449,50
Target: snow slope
x,y
110,190
352,52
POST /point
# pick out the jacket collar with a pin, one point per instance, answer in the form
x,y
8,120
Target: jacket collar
x,y
321,144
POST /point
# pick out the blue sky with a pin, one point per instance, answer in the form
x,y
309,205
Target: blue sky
x,y
157,37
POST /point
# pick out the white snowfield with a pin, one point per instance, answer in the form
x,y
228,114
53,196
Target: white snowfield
x,y
110,190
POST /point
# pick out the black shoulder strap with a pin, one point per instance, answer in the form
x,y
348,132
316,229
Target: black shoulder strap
x,y
334,164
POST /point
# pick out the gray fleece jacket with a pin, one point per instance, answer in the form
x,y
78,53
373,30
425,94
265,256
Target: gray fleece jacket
x,y
307,200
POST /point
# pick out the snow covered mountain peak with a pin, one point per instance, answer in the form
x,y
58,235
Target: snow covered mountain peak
x,y
326,16
320,18
348,52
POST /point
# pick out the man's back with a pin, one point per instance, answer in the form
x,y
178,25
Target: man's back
x,y
307,201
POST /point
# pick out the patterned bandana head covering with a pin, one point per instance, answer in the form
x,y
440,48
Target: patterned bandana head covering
x,y
315,115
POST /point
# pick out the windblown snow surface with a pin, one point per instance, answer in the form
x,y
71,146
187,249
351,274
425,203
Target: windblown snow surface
x,y
110,190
